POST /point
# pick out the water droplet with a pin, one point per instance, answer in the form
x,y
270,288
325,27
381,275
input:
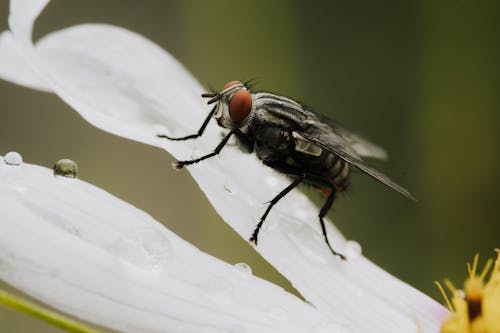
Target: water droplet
x,y
331,327
352,250
243,268
218,289
277,313
155,243
66,168
13,158
145,248
128,250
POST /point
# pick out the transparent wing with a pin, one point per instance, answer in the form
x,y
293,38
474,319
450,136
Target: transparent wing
x,y
356,142
326,137
361,146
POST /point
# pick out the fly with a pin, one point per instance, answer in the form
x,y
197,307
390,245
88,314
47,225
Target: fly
x,y
293,140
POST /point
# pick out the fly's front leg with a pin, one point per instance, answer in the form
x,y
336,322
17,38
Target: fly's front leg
x,y
192,136
181,164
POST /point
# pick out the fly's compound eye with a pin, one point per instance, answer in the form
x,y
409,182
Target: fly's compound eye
x,y
240,105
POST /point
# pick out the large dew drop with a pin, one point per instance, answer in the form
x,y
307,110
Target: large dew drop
x,y
243,268
66,168
13,158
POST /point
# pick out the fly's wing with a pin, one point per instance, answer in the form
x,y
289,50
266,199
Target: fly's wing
x,y
356,142
361,146
325,137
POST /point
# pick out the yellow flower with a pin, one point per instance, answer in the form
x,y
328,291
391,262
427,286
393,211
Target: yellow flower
x,y
476,309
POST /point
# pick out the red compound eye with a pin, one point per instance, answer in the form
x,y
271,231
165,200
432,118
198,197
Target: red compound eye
x,y
231,83
240,105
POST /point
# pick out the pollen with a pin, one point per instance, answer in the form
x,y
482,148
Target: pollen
x,y
476,309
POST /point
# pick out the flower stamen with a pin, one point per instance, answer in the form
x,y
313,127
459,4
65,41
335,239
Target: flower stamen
x,y
477,308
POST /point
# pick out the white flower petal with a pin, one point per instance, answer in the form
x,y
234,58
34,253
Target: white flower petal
x,y
86,252
22,16
135,103
126,85
14,68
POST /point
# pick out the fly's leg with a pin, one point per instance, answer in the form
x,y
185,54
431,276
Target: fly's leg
x,y
273,202
181,164
192,136
306,177
322,213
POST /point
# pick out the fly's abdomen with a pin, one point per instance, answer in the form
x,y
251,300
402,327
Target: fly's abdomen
x,y
338,171
321,162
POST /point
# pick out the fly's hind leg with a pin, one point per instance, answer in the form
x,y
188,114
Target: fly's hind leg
x,y
306,177
322,213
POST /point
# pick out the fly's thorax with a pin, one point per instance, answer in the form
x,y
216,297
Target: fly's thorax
x,y
235,106
271,143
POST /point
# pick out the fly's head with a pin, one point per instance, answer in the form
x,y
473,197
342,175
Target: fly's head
x,y
234,105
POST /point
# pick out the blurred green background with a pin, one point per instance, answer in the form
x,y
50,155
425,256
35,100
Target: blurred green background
x,y
421,78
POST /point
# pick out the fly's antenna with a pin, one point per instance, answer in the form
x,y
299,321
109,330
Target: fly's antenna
x,y
214,97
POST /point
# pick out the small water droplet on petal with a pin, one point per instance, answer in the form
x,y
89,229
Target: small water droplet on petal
x,y
13,158
128,250
145,247
156,245
243,268
65,168
352,250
